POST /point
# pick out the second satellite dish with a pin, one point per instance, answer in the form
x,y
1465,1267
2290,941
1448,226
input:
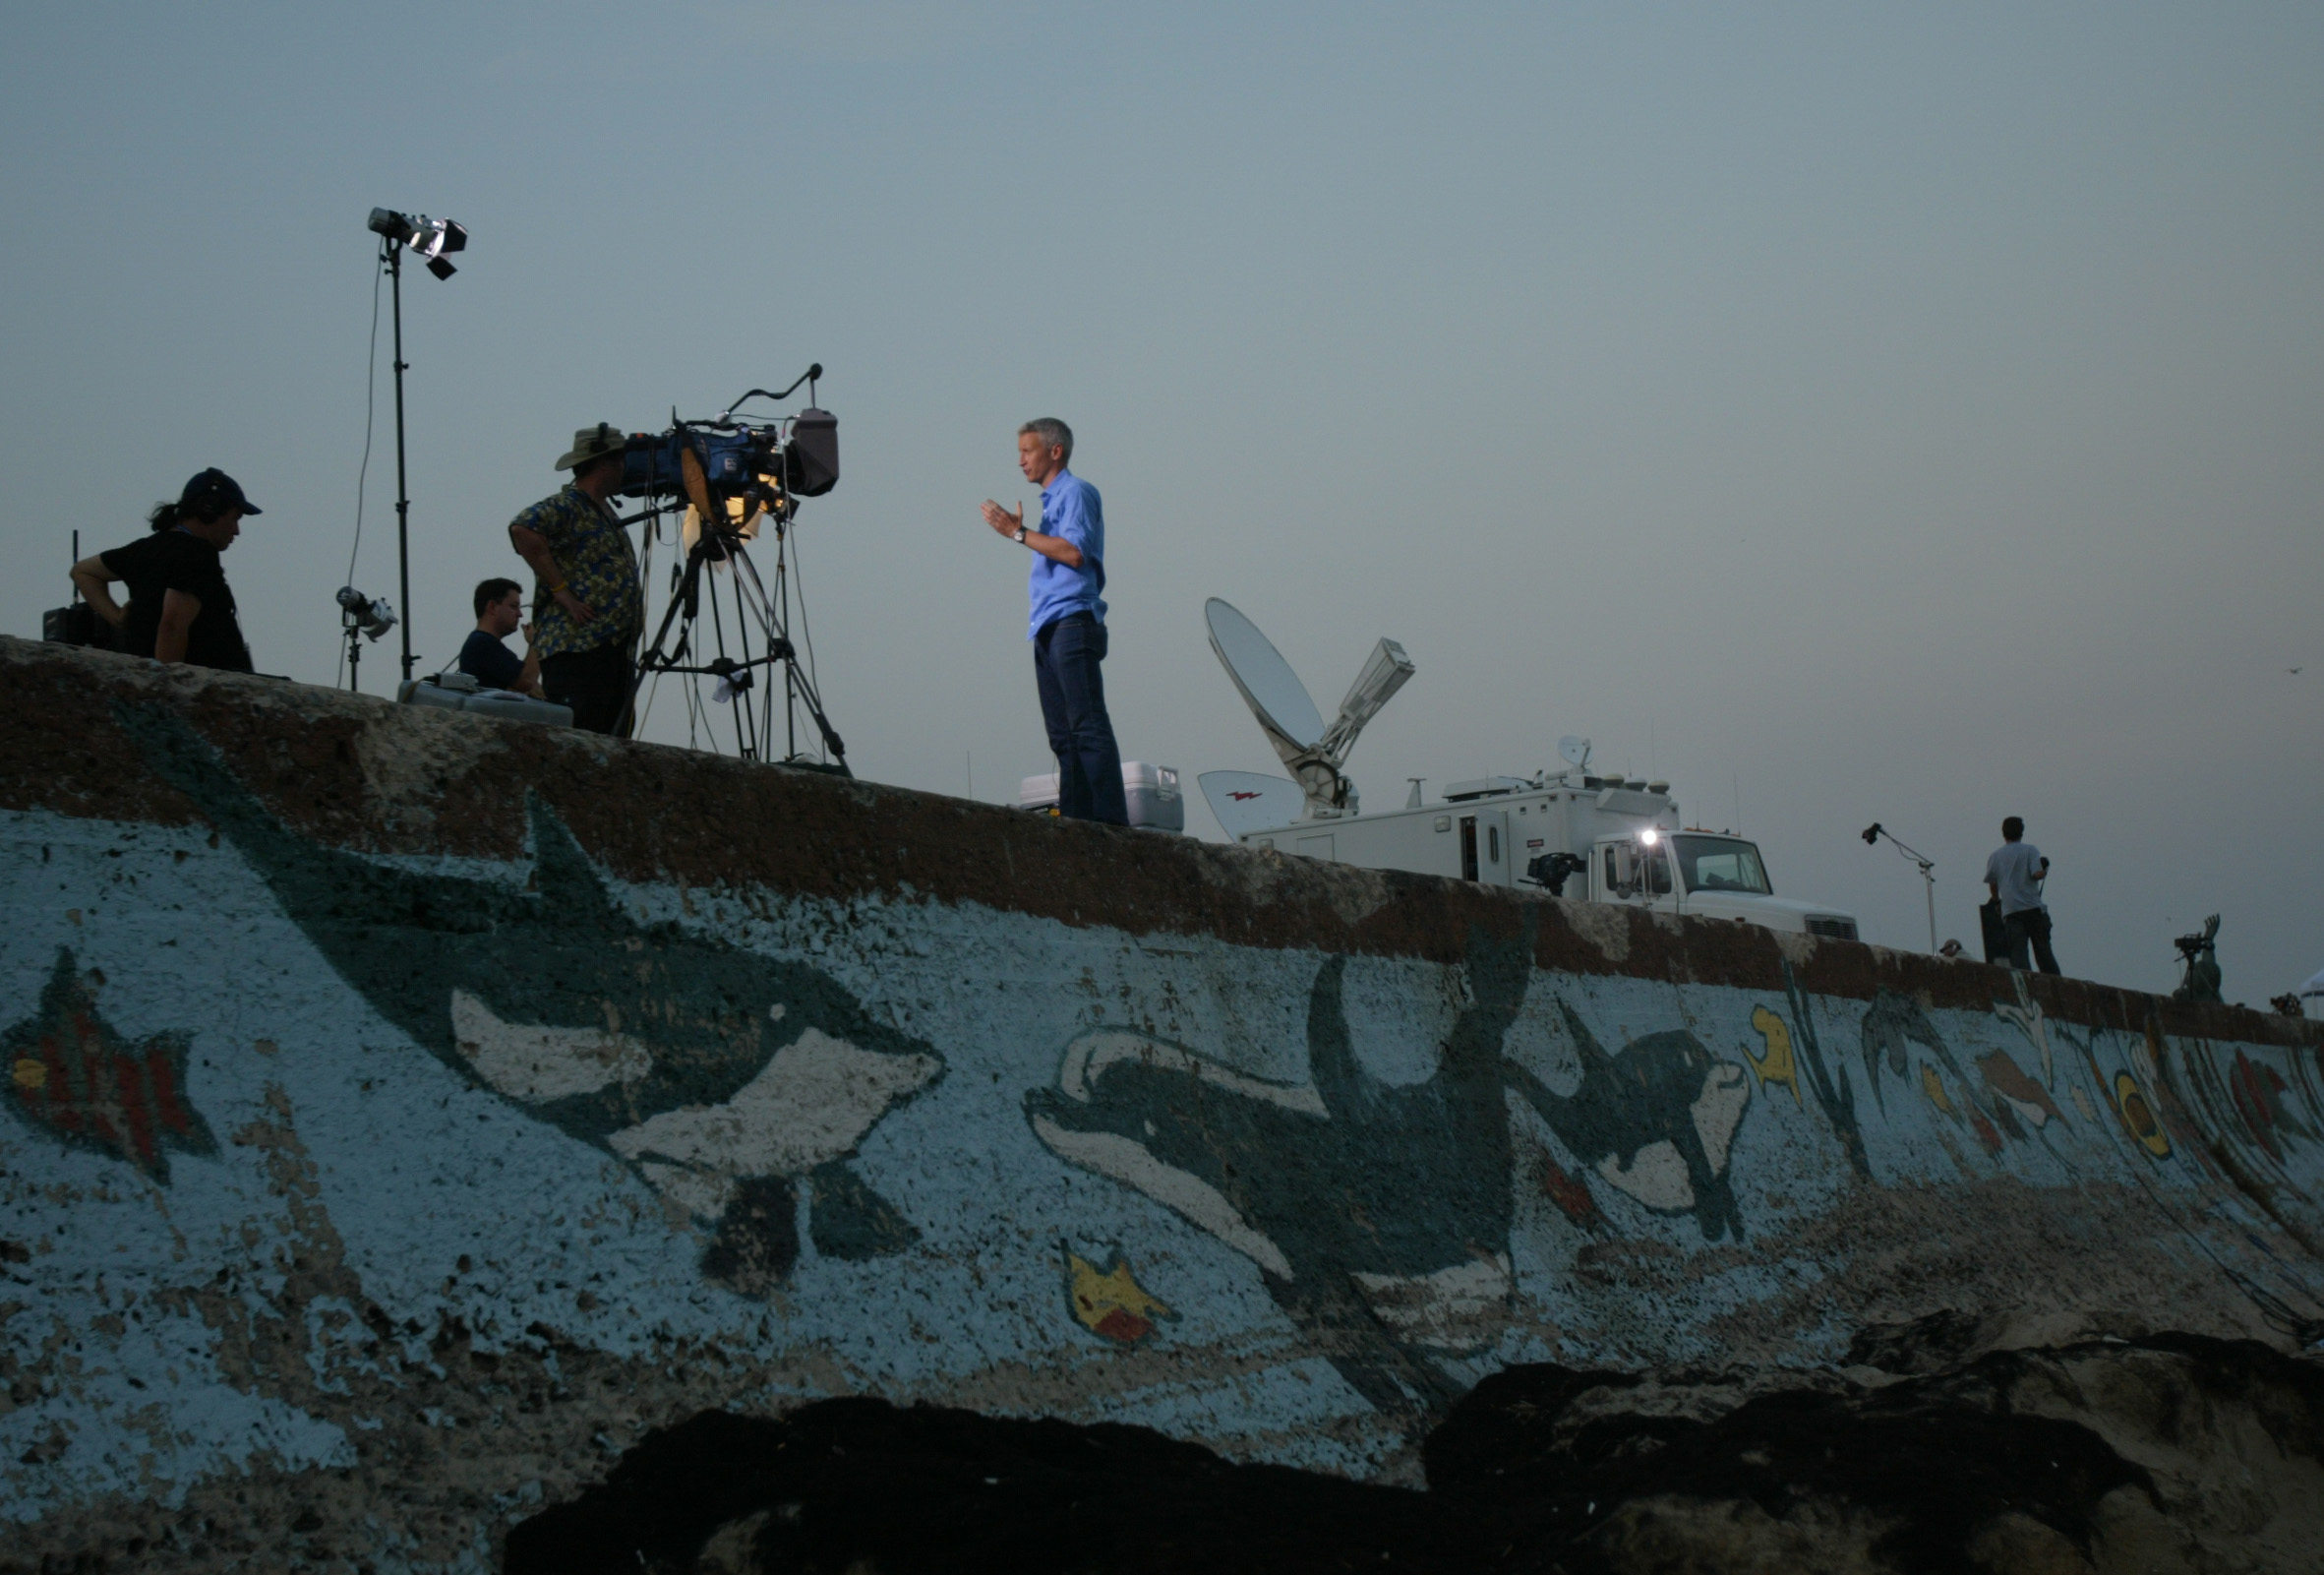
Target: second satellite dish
x,y
1251,801
1574,752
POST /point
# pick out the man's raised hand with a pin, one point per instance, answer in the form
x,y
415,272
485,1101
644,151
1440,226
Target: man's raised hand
x,y
1001,520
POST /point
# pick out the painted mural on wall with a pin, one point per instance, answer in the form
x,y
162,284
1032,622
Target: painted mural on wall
x,y
72,1076
732,1082
1107,1202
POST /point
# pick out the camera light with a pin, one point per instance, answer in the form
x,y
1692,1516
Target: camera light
x,y
432,238
372,614
389,223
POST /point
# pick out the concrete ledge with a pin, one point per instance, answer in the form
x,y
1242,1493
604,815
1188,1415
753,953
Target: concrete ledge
x,y
408,1112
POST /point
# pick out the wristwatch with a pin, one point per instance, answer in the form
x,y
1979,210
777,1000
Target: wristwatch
x,y
1020,536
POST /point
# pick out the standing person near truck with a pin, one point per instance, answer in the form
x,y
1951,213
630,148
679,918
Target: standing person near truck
x,y
2014,875
1068,623
180,606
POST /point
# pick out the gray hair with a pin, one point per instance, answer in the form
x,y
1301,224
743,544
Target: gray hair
x,y
1054,434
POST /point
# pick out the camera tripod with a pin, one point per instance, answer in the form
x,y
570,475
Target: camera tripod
x,y
737,672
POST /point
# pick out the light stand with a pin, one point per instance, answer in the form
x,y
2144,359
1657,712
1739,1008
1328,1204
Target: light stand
x,y
1872,834
394,256
431,239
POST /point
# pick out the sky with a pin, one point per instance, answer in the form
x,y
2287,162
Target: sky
x,y
1847,413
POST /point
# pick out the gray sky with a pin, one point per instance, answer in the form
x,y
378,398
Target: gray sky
x,y
1845,412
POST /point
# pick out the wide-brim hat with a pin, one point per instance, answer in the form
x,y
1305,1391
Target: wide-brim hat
x,y
594,443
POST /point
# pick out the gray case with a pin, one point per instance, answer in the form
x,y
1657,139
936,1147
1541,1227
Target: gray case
x,y
506,704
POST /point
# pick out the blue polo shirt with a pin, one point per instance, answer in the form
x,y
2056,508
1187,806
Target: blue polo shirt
x,y
1069,508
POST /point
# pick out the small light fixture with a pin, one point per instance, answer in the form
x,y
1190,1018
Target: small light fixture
x,y
431,238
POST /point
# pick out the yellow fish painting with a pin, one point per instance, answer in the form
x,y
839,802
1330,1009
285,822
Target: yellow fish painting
x,y
1776,1065
1936,1091
2138,1115
1110,1302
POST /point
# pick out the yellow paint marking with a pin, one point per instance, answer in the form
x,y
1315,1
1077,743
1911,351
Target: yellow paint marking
x,y
1776,1065
2138,1115
1111,1303
1936,1091
30,1073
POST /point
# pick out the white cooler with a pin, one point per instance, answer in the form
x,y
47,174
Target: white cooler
x,y
1151,791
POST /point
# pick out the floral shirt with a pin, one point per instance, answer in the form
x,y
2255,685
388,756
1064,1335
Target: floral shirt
x,y
599,566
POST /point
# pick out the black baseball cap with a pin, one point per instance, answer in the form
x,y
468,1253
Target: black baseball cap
x,y
212,492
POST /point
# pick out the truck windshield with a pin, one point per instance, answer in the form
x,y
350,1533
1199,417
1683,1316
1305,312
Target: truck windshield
x,y
1720,864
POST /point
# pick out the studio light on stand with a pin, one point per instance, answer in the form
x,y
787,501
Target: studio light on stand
x,y
433,239
1872,833
361,616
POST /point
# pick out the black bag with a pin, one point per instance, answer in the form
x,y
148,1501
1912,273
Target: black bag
x,y
1997,933
77,625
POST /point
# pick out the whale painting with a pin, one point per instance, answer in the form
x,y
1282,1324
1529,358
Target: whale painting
x,y
736,1084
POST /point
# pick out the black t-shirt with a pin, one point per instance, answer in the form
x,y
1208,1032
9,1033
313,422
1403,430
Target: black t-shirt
x,y
176,560
489,662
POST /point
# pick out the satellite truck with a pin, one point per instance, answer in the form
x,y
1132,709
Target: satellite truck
x,y
1572,833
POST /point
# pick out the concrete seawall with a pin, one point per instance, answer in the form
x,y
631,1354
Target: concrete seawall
x,y
408,1111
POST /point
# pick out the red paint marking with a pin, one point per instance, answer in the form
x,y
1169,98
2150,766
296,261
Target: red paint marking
x,y
133,1106
165,1101
1239,796
1570,1196
1985,1130
91,1046
1124,1326
61,1113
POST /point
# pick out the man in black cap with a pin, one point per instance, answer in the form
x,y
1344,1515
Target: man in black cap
x,y
180,606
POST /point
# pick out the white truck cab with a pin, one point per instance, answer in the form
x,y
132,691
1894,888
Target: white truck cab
x,y
1711,875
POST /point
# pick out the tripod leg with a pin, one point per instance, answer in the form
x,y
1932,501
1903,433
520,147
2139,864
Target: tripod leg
x,y
683,597
799,680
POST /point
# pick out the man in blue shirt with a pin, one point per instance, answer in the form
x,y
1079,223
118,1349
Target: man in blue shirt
x,y
1068,623
500,613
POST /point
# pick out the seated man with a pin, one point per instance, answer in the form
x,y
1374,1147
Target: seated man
x,y
499,611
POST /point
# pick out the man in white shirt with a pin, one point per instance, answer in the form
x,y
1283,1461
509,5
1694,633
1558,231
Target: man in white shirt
x,y
2014,875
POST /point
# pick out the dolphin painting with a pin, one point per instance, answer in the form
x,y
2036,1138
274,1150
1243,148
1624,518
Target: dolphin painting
x,y
1379,1215
730,1082
1658,1121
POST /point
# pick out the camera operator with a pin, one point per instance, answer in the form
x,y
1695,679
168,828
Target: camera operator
x,y
180,608
587,606
500,613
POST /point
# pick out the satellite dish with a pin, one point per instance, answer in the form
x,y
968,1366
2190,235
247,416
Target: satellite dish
x,y
1313,752
1251,801
1574,752
1269,686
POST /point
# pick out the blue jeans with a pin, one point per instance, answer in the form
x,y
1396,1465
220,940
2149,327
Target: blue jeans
x,y
1065,658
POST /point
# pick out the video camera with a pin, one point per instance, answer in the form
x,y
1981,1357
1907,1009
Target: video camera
x,y
737,467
